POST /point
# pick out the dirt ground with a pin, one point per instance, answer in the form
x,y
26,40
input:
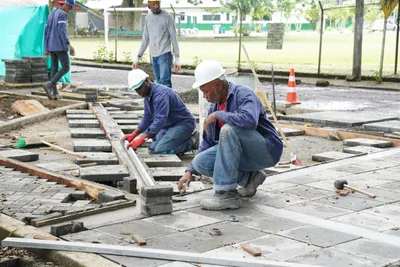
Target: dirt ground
x,y
14,257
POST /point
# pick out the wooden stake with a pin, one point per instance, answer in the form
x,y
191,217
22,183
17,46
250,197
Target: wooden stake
x,y
64,150
252,251
88,164
139,240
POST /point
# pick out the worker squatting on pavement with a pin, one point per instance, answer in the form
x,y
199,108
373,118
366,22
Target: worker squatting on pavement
x,y
158,33
166,118
57,45
238,140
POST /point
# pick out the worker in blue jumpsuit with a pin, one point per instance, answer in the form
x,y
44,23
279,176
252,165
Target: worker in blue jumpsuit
x,y
166,118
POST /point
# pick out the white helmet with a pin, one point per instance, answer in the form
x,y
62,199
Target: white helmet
x,y
136,78
207,71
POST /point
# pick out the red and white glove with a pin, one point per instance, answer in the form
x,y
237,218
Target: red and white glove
x,y
129,137
177,64
137,142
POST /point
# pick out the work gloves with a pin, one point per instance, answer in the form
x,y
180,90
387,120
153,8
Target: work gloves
x,y
129,137
177,64
137,142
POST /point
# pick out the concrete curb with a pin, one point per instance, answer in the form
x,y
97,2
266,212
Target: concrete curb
x,y
15,228
28,120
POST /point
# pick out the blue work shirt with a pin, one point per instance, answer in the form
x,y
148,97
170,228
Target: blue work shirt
x,y
55,33
243,110
163,108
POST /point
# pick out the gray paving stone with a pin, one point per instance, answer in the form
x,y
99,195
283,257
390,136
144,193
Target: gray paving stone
x,y
277,199
87,133
361,149
93,236
81,116
156,200
307,192
291,132
92,146
339,118
83,123
126,122
371,250
125,116
385,126
104,173
383,195
318,210
21,155
332,258
158,160
391,211
156,209
331,155
129,184
110,195
317,236
112,109
275,170
368,221
177,264
182,220
134,262
394,186
394,232
367,142
58,166
167,173
266,186
79,111
156,191
349,202
99,158
354,168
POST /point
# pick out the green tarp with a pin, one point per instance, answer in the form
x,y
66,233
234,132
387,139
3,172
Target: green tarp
x,y
22,33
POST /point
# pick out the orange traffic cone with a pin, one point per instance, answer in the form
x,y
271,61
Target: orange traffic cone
x,y
291,95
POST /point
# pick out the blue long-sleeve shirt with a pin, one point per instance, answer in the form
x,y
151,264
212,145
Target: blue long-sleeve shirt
x,y
55,33
163,108
244,110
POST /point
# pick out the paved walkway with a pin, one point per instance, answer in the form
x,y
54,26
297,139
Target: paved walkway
x,y
295,217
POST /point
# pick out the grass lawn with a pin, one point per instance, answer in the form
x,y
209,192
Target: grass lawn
x,y
300,50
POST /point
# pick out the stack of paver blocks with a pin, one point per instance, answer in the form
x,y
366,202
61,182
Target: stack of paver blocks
x,y
156,199
39,69
275,36
17,71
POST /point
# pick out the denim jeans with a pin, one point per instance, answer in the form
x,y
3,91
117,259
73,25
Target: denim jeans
x,y
162,68
57,74
238,153
174,140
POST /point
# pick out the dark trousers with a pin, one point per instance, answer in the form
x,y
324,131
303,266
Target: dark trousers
x,y
56,74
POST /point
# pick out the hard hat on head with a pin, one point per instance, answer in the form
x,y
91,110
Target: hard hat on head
x,y
207,71
71,3
154,1
136,78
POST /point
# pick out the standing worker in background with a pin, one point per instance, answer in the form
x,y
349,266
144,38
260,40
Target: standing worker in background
x,y
238,139
57,45
158,33
166,118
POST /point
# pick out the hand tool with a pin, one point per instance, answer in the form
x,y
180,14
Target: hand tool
x,y
341,184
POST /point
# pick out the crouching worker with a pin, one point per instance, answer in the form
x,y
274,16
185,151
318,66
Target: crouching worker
x,y
238,140
166,118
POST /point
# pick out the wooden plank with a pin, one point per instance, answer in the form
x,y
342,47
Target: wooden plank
x,y
72,96
252,251
320,132
139,240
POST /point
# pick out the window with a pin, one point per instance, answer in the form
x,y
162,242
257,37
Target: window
x,y
182,16
211,17
227,17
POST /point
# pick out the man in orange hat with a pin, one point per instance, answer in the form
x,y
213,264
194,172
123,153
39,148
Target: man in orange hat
x,y
158,33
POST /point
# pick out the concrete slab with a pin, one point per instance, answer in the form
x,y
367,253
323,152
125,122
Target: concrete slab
x,y
87,133
79,111
182,220
58,166
349,202
318,210
368,221
331,155
272,186
395,186
134,262
93,236
19,154
391,211
318,236
307,192
92,145
83,123
383,195
371,250
361,149
127,129
277,199
99,158
125,116
167,173
332,258
104,173
127,122
386,126
367,142
291,132
158,160
274,170
339,118
81,116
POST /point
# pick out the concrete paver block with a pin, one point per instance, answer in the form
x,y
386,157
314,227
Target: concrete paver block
x,y
331,155
182,220
93,236
58,166
125,116
83,124
318,210
291,132
385,126
156,191
158,160
99,158
87,133
317,236
361,149
307,192
167,173
349,202
60,230
104,173
18,154
129,184
156,209
79,111
339,118
156,200
277,199
110,195
367,142
368,221
395,186
391,211
81,116
92,146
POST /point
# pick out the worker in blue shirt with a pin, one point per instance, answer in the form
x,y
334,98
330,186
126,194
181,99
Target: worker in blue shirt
x,y
57,45
166,118
238,140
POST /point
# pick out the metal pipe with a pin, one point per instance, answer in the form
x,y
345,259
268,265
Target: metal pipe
x,y
240,37
320,37
273,87
397,41
116,34
382,51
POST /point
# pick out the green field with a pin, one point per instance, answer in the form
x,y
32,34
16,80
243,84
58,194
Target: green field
x,y
300,50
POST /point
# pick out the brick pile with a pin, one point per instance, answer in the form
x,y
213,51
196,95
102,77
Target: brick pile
x,y
156,199
26,70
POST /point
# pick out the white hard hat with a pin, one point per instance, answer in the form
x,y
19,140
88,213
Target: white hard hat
x,y
207,71
136,78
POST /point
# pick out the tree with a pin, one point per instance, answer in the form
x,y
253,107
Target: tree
x,y
312,15
372,14
132,20
286,7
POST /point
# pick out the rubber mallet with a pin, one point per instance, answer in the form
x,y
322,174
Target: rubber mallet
x,y
342,184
